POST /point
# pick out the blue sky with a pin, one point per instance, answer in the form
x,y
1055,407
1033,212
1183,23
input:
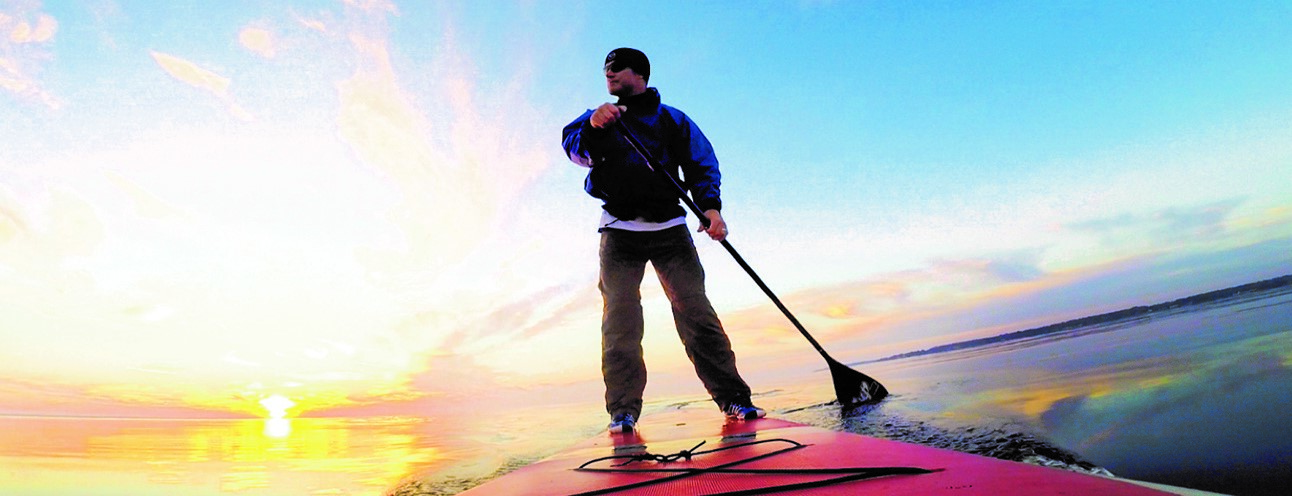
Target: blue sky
x,y
334,202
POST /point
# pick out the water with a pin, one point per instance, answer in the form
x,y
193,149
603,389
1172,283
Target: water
x,y
43,456
1194,397
304,456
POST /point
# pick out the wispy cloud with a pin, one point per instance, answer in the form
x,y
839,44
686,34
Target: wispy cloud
x,y
1165,226
193,74
858,307
132,248
258,40
40,238
147,205
26,36
458,159
11,225
201,78
101,398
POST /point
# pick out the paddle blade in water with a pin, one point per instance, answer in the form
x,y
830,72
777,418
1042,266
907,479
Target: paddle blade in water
x,y
854,388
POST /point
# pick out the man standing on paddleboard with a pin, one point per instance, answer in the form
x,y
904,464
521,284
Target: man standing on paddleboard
x,y
642,221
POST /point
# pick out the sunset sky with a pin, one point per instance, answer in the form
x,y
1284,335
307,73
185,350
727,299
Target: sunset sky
x,y
363,207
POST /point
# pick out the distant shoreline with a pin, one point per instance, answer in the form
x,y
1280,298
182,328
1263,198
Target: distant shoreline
x,y
1106,318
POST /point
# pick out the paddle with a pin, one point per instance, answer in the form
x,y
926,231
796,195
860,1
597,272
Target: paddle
x,y
851,387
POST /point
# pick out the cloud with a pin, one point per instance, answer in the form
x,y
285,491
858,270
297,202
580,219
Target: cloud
x,y
1198,221
258,40
374,6
957,299
865,312
198,77
97,398
444,382
193,74
938,282
25,38
199,253
459,161
1220,224
42,240
313,24
477,325
11,225
42,31
1173,224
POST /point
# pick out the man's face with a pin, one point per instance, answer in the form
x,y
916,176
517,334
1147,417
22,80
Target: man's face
x,y
624,82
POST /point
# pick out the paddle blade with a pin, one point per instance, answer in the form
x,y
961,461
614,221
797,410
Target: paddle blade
x,y
854,388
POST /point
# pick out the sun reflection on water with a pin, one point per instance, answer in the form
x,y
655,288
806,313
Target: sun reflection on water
x,y
248,457
278,427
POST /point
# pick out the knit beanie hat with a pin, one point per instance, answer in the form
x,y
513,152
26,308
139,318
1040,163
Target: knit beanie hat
x,y
621,58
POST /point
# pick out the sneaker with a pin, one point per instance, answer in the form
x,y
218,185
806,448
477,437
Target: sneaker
x,y
623,423
743,411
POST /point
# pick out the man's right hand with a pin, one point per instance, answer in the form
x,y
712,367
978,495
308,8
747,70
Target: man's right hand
x,y
606,114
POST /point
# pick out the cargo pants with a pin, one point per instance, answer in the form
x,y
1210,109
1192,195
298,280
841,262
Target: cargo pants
x,y
671,251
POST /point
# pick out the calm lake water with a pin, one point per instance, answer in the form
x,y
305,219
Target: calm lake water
x,y
1195,397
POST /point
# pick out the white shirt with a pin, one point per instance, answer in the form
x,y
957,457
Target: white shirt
x,y
638,224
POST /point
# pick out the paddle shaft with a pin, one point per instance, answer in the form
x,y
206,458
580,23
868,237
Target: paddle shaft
x,y
659,169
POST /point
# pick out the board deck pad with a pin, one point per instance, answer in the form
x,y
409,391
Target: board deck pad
x,y
742,452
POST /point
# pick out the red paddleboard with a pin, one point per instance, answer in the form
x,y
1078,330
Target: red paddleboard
x,y
692,452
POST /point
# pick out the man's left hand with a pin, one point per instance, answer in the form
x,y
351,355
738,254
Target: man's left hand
x,y
717,229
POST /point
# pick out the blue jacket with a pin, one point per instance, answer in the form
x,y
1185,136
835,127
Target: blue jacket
x,y
619,175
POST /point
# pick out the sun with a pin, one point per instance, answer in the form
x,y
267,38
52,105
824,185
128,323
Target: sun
x,y
276,405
